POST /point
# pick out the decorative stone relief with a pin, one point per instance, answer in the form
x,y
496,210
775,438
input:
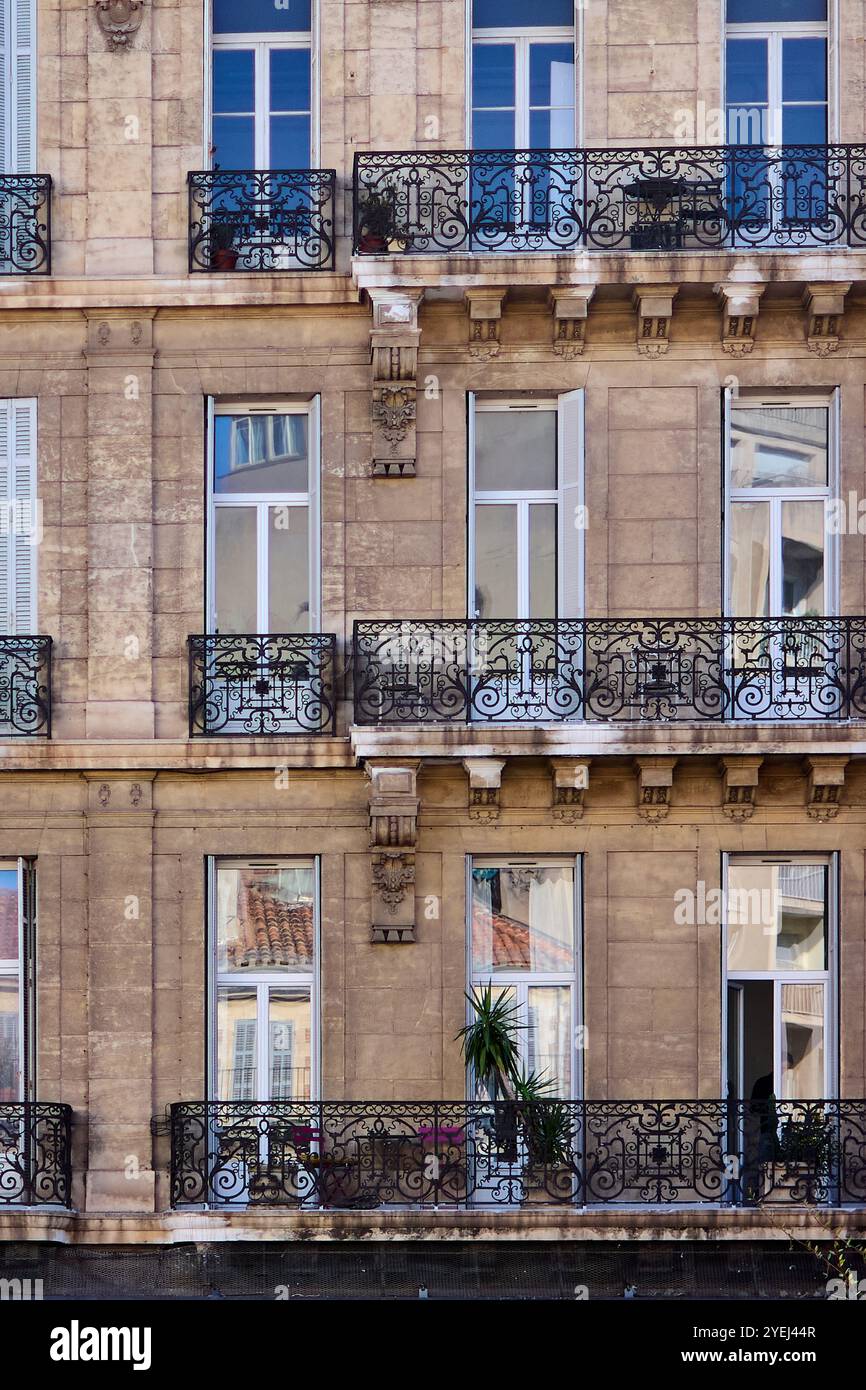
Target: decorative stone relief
x,y
826,780
485,781
394,891
740,305
570,781
825,306
570,311
655,782
739,786
393,829
485,315
394,348
120,21
655,307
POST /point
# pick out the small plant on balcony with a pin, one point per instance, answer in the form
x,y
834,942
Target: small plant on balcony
x,y
489,1042
223,253
378,227
807,1142
546,1123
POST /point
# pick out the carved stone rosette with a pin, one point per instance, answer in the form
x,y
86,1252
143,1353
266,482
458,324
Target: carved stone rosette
x,y
393,830
394,348
119,21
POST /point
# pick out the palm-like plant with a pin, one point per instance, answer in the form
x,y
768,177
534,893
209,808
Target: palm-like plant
x,y
489,1042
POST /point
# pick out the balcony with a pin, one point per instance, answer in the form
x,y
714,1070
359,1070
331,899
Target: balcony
x,y
25,687
643,670
35,1154
498,1155
273,685
676,199
261,220
25,224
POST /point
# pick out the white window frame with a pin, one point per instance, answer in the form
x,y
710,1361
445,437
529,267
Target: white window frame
x,y
775,33
262,981
262,43
828,401
261,502
18,153
521,38
21,971
522,980
779,977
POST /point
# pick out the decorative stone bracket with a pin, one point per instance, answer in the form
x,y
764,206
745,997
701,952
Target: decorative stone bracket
x,y
740,305
485,315
655,780
393,830
570,780
826,776
739,786
825,306
655,308
120,21
485,782
570,312
394,348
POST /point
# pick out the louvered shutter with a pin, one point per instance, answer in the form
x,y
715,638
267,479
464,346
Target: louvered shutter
x,y
18,516
571,492
22,110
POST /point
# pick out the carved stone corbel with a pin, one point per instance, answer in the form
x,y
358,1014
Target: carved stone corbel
x,y
655,308
393,831
825,306
485,782
740,305
394,347
119,21
826,779
739,786
570,780
655,779
570,312
485,314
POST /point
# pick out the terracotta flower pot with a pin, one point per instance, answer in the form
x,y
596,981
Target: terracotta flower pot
x,y
372,245
225,258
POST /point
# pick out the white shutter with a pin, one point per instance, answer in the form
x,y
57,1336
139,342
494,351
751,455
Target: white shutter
x,y
22,113
6,604
471,609
572,511
314,433
5,93
18,519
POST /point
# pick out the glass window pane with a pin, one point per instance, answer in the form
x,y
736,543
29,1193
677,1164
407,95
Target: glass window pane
x,y
261,17
551,74
548,1035
233,143
265,918
746,71
260,453
492,74
290,79
522,919
803,559
9,915
290,142
290,1044
507,14
288,569
496,561
758,11
804,69
542,561
806,125
494,130
235,570
777,917
515,451
234,80
10,1062
779,446
750,560
802,1041
236,1044
748,124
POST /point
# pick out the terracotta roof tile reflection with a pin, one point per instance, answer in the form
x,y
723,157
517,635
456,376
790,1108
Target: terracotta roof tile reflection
x,y
272,932
8,924
509,949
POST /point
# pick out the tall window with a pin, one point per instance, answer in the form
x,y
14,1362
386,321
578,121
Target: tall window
x,y
523,75
262,93
776,72
524,940
264,929
18,87
780,454
17,901
780,941
264,552
18,516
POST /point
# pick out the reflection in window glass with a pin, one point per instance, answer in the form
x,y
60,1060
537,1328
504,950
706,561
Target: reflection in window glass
x,y
265,918
523,919
548,1035
803,1011
261,453
496,561
777,917
515,451
750,560
803,559
779,446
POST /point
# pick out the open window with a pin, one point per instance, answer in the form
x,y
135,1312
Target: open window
x,y
17,923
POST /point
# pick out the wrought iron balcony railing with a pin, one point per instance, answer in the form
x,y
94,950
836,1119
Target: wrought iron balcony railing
x,y
600,669
367,1154
35,1153
674,199
267,685
25,224
25,687
261,219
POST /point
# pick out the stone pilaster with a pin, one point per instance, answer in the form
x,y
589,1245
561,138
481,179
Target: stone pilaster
x,y
393,831
394,340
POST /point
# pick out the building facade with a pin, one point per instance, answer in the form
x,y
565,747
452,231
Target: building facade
x,y
433,446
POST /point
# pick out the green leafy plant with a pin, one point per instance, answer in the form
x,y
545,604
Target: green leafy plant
x,y
546,1123
378,214
222,236
808,1140
489,1042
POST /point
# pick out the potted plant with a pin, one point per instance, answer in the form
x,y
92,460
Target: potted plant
x,y
223,253
378,229
802,1154
547,1128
